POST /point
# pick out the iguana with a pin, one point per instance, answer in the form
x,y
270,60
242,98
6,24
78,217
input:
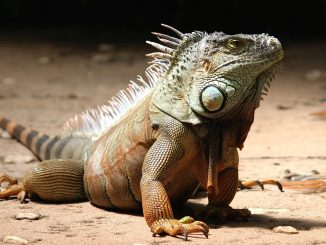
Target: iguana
x,y
156,142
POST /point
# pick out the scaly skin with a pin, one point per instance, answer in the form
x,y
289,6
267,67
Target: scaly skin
x,y
183,134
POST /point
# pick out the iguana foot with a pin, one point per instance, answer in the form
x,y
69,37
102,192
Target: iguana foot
x,y
248,184
13,188
223,212
6,178
184,226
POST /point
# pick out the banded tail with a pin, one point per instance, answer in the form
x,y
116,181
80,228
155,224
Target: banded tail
x,y
44,146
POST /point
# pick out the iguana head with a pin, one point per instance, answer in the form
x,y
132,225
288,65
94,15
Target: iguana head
x,y
213,76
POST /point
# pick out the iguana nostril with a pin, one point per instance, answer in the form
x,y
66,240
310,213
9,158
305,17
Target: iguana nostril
x,y
274,43
212,98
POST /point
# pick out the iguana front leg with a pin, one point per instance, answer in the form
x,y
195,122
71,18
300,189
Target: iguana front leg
x,y
158,168
218,206
227,183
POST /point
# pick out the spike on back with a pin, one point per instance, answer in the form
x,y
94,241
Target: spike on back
x,y
179,33
95,121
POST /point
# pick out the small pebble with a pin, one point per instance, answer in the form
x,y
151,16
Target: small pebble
x,y
314,171
19,159
8,80
285,229
290,176
29,216
268,210
299,177
72,96
287,171
5,135
14,239
44,60
276,163
313,75
285,107
90,74
104,47
102,58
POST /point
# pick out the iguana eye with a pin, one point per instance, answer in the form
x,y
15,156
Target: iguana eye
x,y
212,98
234,44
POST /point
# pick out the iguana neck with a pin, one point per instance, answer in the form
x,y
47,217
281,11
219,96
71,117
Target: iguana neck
x,y
171,93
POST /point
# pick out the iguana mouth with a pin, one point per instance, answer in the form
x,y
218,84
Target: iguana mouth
x,y
270,60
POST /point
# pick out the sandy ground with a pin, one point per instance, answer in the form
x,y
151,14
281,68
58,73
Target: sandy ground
x,y
44,84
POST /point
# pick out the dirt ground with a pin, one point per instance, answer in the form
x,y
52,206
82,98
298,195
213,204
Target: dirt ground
x,y
42,84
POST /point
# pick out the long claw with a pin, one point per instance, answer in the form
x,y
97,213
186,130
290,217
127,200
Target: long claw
x,y
22,196
279,185
260,184
251,183
186,232
204,228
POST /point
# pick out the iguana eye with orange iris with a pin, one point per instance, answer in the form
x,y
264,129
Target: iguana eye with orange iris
x,y
234,44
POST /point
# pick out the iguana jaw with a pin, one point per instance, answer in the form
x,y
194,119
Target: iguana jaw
x,y
265,77
271,61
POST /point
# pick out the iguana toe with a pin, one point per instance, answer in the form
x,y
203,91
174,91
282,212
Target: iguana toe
x,y
173,227
248,184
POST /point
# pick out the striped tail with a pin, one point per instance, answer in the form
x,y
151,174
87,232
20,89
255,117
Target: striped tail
x,y
44,146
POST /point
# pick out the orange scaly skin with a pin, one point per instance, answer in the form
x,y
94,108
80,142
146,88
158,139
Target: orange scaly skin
x,y
122,176
126,173
179,131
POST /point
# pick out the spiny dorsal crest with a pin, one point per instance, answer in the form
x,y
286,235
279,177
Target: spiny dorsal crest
x,y
95,121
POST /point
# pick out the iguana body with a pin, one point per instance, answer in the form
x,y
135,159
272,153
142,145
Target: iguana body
x,y
165,138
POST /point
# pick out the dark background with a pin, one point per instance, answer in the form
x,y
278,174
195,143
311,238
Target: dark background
x,y
131,21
